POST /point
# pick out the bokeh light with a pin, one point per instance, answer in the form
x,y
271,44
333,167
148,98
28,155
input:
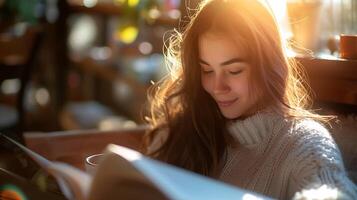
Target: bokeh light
x,y
90,3
145,48
127,34
10,86
42,96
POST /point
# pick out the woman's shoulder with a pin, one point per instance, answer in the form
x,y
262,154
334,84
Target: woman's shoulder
x,y
308,137
311,139
306,128
295,130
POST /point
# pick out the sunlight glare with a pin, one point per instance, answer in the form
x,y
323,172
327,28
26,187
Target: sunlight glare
x,y
279,9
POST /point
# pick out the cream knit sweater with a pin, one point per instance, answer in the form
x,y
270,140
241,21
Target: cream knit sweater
x,y
286,159
283,159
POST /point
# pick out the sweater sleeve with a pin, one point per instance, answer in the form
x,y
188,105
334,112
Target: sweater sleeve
x,y
318,171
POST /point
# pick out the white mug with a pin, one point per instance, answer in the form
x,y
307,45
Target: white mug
x,y
92,162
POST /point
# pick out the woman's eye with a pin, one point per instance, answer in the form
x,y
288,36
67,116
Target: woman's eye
x,y
235,72
207,71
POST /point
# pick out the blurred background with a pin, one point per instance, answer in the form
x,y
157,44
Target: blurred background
x,y
86,64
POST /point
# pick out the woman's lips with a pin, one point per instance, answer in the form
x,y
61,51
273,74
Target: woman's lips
x,y
226,103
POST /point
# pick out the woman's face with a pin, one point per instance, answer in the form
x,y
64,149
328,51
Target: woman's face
x,y
225,74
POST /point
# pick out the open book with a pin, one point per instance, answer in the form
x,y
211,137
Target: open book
x,y
126,174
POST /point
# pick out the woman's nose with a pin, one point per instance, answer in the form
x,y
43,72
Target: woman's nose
x,y
221,85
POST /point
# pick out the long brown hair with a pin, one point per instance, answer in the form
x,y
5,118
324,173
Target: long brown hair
x,y
197,134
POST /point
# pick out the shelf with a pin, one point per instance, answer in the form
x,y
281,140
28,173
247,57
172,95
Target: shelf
x,y
101,75
110,9
108,72
99,8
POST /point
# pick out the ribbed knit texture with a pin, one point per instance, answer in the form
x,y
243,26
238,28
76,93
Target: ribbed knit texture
x,y
286,159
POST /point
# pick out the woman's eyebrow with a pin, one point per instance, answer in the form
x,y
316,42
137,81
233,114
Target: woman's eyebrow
x,y
231,61
203,62
228,62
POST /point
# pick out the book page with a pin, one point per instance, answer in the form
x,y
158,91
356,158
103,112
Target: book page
x,y
73,182
117,178
126,172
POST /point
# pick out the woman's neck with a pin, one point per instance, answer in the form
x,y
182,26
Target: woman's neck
x,y
254,129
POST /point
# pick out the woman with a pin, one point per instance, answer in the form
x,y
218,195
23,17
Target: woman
x,y
234,108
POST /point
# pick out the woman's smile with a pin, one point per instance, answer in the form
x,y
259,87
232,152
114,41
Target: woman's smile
x,y
226,103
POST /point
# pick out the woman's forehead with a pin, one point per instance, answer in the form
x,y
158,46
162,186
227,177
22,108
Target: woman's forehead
x,y
211,43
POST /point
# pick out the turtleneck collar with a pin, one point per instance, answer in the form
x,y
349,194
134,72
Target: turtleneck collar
x,y
256,128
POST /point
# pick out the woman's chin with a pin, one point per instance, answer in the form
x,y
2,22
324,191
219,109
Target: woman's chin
x,y
230,115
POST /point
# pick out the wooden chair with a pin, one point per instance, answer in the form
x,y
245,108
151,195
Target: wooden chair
x,y
73,147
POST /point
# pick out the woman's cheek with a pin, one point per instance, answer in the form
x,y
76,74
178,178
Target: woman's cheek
x,y
206,83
